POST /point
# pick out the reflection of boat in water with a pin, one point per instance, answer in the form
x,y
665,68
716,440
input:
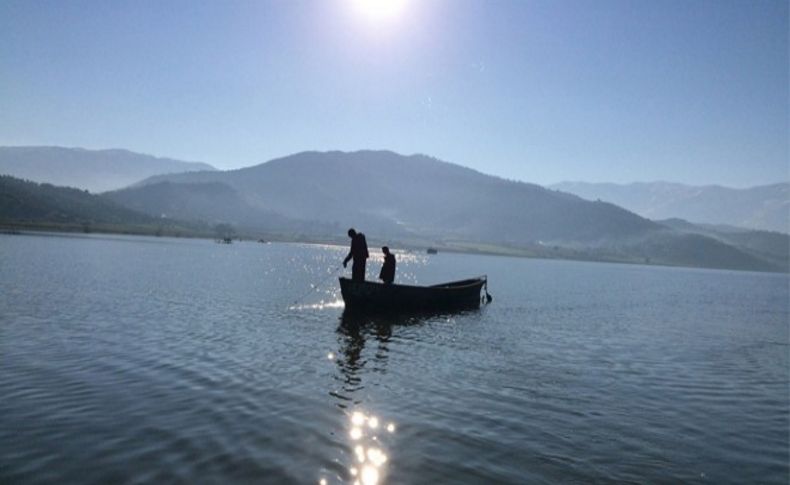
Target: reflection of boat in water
x,y
367,431
371,296
380,325
432,251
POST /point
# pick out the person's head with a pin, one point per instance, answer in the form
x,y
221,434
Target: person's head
x,y
352,232
385,250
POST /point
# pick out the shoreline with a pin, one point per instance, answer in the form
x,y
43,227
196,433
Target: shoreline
x,y
457,247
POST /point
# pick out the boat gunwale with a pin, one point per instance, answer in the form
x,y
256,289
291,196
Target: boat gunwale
x,y
450,285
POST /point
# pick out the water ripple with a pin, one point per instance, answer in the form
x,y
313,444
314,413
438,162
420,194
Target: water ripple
x,y
126,360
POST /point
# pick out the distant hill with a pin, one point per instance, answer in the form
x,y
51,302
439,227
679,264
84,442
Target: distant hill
x,y
93,170
394,194
765,207
767,245
25,204
25,201
408,198
210,203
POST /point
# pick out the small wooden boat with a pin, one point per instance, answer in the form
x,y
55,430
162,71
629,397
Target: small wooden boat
x,y
373,296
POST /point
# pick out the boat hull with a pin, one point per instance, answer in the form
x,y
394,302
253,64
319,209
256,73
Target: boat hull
x,y
373,296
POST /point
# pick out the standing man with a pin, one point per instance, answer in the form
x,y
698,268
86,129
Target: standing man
x,y
359,253
387,274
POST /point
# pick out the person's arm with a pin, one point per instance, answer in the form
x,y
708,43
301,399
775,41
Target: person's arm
x,y
350,252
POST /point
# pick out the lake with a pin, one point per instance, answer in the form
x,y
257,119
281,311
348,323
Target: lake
x,y
141,360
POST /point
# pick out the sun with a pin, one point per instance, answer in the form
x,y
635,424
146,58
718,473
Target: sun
x,y
380,10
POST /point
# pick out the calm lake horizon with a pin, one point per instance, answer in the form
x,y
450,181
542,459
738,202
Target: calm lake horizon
x,y
130,359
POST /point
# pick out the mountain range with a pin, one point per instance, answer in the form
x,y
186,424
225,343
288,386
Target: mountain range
x,y
30,205
93,170
25,201
765,207
420,199
416,195
769,245
406,201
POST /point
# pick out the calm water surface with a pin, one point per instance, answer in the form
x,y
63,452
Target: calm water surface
x,y
137,360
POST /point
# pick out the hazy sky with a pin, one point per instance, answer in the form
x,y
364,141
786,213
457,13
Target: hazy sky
x,y
542,91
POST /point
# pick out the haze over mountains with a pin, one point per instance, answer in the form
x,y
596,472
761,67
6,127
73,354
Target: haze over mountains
x,y
93,170
419,198
415,195
30,205
765,207
409,200
24,201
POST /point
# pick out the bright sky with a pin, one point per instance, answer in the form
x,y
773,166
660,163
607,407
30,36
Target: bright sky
x,y
692,91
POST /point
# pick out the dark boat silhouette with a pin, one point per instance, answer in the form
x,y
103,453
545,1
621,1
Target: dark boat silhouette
x,y
432,250
372,296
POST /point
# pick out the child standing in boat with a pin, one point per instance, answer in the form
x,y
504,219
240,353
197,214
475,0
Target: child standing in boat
x,y
387,273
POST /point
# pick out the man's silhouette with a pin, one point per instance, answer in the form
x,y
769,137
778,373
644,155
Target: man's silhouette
x,y
359,253
387,273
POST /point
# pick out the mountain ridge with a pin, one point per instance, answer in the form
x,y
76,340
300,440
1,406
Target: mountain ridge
x,y
425,193
93,170
408,197
419,199
762,207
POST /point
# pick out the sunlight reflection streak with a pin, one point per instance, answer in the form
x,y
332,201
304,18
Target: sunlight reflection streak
x,y
369,458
